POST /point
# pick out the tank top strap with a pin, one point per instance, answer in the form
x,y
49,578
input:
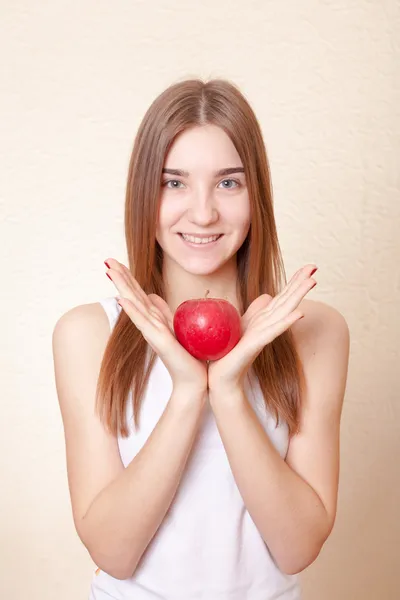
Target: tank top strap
x,y
111,308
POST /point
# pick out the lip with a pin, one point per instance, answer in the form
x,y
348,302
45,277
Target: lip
x,y
202,236
201,246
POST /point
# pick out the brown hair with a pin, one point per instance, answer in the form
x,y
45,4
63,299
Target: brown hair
x,y
260,266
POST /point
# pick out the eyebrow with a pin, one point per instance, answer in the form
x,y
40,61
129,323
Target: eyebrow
x,y
219,173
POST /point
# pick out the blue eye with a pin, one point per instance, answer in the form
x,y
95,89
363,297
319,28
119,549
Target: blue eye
x,y
232,181
176,181
165,183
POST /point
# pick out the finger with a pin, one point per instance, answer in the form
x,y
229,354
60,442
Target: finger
x,y
126,290
277,328
258,304
151,329
297,280
163,307
124,272
137,317
155,332
291,302
157,317
139,290
147,322
264,335
115,267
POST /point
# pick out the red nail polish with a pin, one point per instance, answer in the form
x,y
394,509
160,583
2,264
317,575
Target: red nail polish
x,y
313,271
108,276
107,265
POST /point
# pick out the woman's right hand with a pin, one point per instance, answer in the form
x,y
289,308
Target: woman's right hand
x,y
153,317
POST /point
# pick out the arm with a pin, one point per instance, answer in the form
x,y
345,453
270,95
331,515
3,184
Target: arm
x,y
116,511
293,502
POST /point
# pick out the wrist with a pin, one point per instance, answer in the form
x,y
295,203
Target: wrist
x,y
190,382
223,379
226,393
188,394
220,384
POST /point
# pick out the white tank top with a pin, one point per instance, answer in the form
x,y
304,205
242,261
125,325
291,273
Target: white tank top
x,y
207,547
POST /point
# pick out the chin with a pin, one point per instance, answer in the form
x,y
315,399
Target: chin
x,y
199,265
202,267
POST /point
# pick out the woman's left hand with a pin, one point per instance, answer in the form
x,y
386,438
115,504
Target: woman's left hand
x,y
265,319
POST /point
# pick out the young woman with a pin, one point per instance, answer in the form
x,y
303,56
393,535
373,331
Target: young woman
x,y
188,479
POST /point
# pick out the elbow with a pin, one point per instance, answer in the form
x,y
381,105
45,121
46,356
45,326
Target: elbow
x,y
116,572
293,563
296,566
117,566
113,561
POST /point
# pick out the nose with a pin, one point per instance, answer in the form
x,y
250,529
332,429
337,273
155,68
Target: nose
x,y
202,210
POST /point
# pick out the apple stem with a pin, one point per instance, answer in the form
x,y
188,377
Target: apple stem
x,y
206,294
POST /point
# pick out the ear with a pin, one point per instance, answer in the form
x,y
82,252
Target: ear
x,y
258,304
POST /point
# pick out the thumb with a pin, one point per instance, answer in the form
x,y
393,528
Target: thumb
x,y
164,308
258,304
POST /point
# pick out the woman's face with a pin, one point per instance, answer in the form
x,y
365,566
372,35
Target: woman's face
x,y
202,200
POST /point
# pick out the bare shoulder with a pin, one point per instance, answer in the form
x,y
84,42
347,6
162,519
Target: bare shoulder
x,y
79,339
322,324
84,315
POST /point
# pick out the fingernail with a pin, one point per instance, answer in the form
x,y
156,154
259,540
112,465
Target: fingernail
x,y
313,271
108,276
313,286
107,265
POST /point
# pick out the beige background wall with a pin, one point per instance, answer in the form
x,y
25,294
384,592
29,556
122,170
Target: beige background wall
x,y
77,77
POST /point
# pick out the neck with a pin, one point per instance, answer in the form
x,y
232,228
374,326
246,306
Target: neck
x,y
180,285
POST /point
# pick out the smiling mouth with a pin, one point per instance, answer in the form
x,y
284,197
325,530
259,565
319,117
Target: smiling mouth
x,y
196,241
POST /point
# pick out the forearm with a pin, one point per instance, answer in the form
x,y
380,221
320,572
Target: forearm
x,y
287,512
126,514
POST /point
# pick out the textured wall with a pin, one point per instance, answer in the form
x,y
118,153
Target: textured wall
x,y
323,77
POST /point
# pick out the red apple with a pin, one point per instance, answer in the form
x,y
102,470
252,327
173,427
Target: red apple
x,y
207,327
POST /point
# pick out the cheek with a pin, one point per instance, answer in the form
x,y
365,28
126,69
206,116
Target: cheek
x,y
168,212
239,215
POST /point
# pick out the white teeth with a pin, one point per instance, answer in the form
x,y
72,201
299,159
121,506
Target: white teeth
x,y
196,240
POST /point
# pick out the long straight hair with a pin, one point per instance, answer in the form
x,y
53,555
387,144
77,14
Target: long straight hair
x,y
125,365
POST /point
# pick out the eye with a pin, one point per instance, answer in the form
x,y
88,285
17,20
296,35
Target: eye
x,y
165,183
176,183
232,181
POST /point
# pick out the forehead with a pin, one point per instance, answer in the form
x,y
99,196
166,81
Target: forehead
x,y
202,148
